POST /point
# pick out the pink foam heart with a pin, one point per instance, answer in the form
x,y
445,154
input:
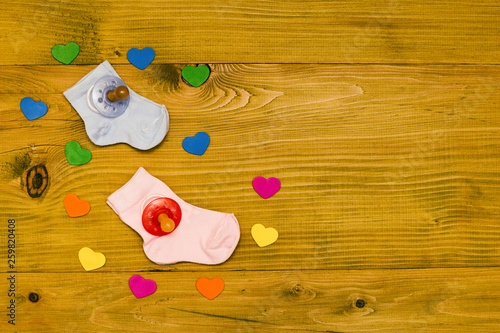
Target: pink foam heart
x,y
266,188
141,287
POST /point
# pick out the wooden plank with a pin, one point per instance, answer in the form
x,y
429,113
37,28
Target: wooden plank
x,y
295,31
381,166
429,300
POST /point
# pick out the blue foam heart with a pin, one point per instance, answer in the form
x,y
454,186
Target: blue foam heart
x,y
33,110
141,58
196,145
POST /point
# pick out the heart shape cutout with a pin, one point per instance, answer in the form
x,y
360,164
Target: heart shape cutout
x,y
141,58
91,260
196,76
196,145
33,110
141,287
210,288
76,155
75,207
264,236
66,53
266,188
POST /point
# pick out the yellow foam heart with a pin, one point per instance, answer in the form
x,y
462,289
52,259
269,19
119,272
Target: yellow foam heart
x,y
91,260
264,236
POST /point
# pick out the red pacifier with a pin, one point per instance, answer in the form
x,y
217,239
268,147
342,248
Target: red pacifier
x,y
161,216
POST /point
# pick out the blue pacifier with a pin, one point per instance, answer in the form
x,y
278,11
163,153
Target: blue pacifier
x,y
109,96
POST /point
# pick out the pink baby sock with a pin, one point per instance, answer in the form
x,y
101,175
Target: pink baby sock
x,y
202,236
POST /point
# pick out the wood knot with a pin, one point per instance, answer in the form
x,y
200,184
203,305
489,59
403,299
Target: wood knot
x,y
34,297
297,292
360,305
37,181
167,75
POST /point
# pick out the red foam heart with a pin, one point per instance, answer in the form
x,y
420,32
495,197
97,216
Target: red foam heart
x,y
76,207
210,288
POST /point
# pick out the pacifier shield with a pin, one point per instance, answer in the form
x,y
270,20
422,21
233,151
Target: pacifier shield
x,y
98,97
159,213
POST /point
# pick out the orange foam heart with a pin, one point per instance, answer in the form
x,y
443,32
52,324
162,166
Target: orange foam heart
x,y
76,207
210,288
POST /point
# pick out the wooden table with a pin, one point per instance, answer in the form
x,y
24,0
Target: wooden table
x,y
380,118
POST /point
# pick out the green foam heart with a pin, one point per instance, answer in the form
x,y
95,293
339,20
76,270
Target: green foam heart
x,y
196,76
66,53
76,155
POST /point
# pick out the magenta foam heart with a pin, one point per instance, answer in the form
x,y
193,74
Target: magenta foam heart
x,y
141,287
266,188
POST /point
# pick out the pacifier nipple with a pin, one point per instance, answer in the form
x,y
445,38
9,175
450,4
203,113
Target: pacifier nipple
x,y
109,96
166,223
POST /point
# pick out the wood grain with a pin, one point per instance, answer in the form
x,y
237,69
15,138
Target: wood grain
x,y
293,31
380,118
381,166
436,300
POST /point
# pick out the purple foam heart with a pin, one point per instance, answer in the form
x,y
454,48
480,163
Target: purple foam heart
x,y
266,188
141,287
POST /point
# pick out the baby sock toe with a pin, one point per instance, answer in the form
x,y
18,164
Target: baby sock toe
x,y
225,233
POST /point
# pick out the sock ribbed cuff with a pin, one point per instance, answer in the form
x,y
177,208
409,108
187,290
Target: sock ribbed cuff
x,y
124,198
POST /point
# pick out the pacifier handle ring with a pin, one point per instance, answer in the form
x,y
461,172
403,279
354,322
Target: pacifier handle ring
x,y
120,93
